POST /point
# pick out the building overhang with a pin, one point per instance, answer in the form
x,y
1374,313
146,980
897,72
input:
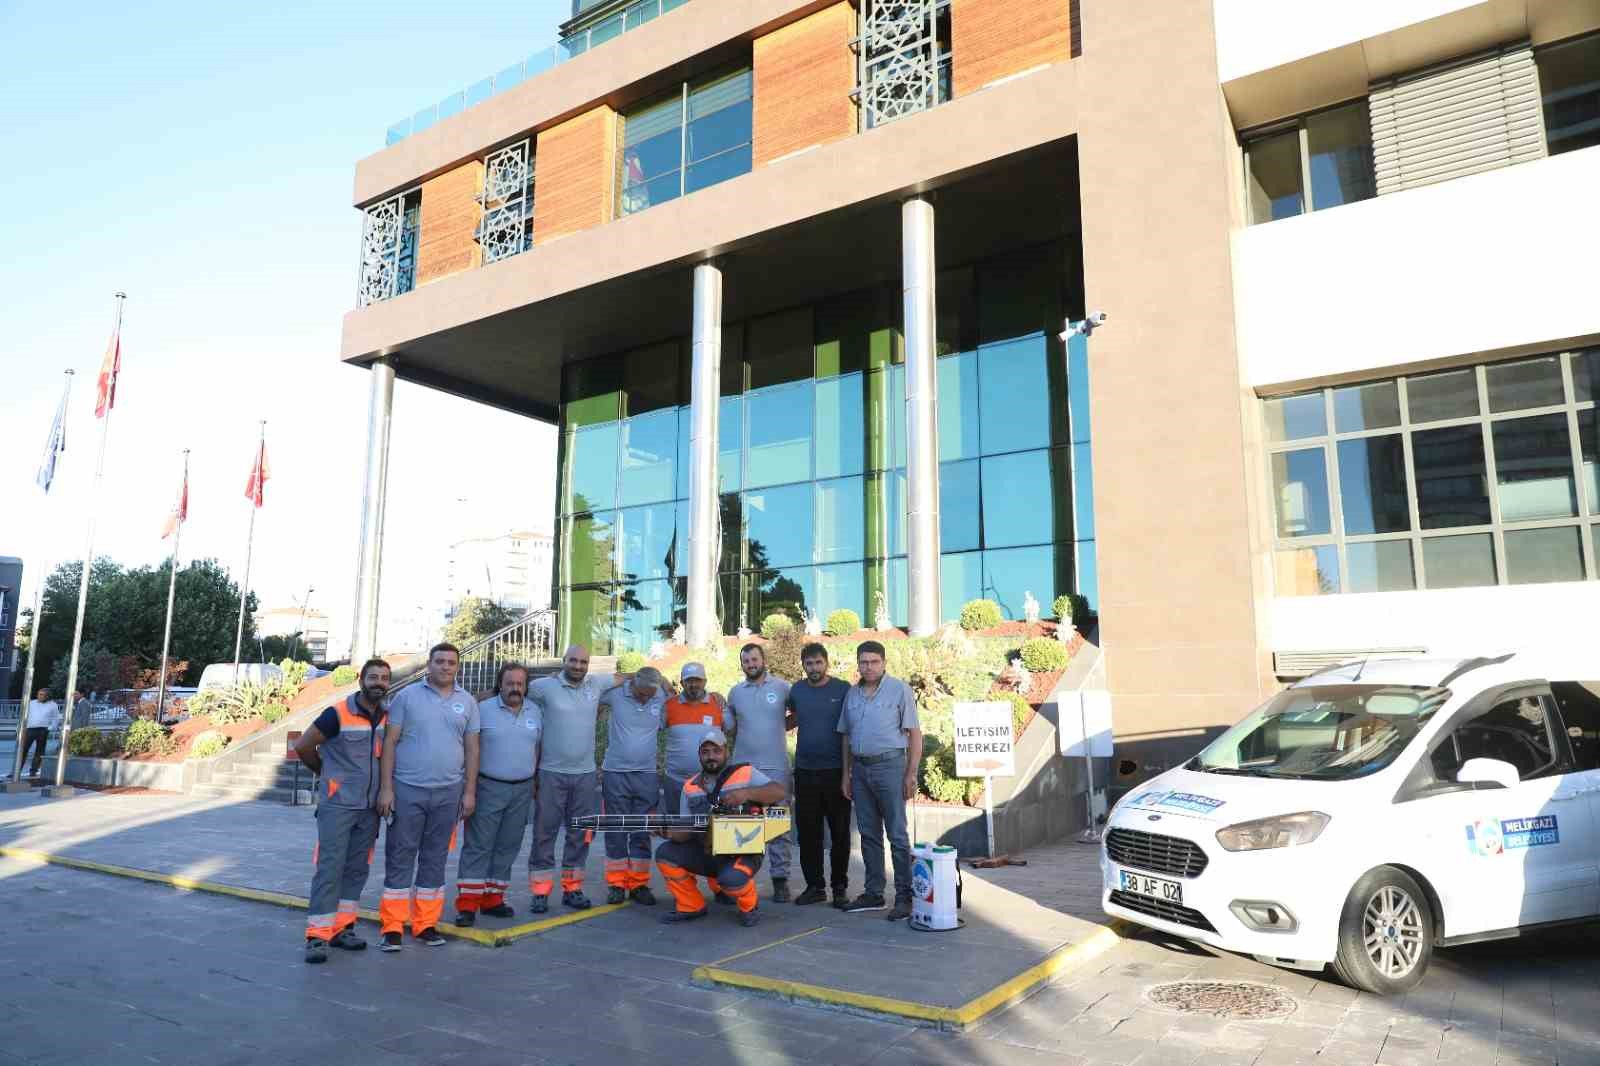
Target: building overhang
x,y
1001,161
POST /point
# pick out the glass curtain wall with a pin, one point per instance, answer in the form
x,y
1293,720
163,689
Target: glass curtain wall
x,y
812,462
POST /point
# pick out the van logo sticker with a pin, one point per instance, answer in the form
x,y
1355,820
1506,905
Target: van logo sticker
x,y
1181,801
1491,836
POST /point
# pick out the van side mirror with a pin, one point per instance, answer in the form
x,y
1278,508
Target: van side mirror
x,y
1496,772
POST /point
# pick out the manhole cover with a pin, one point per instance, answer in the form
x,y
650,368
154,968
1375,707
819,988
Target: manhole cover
x,y
1223,999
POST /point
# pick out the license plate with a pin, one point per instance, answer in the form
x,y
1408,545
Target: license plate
x,y
1153,887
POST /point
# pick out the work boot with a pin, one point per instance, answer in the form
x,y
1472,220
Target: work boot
x,y
724,899
674,917
643,896
466,919
539,905
576,900
348,941
316,951
750,917
391,942
430,936
811,895
500,910
901,910
615,895
780,890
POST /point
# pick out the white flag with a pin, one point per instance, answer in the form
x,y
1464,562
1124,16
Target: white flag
x,y
54,446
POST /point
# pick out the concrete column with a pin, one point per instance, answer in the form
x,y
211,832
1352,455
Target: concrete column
x,y
374,497
704,399
922,416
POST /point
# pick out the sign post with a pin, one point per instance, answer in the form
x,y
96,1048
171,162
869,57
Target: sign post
x,y
985,747
1087,734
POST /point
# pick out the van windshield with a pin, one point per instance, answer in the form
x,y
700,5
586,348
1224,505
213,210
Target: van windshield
x,y
1323,732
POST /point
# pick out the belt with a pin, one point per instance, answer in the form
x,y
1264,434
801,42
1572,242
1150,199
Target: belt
x,y
882,756
503,781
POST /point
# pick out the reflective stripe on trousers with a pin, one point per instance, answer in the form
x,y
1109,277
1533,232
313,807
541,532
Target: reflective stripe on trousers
x,y
343,856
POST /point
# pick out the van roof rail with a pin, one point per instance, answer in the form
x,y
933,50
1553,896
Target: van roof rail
x,y
1468,665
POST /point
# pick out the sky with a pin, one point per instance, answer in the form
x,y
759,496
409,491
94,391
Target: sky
x,y
200,157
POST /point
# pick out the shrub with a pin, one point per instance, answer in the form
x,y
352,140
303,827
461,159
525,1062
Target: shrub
x,y
1041,655
142,737
294,673
939,779
83,741
842,623
344,675
242,702
631,662
208,744
775,623
274,712
783,653
1071,607
110,744
980,614
966,682
1021,710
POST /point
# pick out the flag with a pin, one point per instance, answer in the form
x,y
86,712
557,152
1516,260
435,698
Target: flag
x,y
106,388
54,445
259,474
180,513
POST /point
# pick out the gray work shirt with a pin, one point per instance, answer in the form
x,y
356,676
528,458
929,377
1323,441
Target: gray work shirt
x,y
878,723
508,747
431,752
632,729
757,713
568,713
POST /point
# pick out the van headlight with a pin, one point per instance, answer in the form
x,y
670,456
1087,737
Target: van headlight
x,y
1281,831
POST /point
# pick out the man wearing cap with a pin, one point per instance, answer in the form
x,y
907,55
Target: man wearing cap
x,y
882,748
629,782
508,742
569,705
688,715
756,711
684,855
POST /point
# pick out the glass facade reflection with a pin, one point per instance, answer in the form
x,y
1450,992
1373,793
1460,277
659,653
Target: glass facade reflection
x,y
812,457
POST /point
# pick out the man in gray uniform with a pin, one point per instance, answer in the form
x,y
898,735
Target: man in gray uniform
x,y
343,747
882,749
756,712
430,781
569,706
509,742
629,782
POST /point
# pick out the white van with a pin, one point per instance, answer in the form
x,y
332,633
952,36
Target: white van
x,y
221,675
1373,812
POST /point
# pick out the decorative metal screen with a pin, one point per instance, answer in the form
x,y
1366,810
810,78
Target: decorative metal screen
x,y
507,198
389,248
899,58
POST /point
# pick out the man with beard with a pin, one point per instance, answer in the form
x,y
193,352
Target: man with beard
x,y
756,710
814,706
688,715
684,855
508,745
343,747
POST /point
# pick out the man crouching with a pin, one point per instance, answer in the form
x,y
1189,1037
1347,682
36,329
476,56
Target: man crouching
x,y
684,855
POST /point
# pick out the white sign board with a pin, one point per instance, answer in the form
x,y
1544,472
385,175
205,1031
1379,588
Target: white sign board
x,y
1085,723
983,740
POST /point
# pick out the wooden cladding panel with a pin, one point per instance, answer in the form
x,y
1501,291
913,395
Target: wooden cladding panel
x,y
577,174
804,74
992,39
446,243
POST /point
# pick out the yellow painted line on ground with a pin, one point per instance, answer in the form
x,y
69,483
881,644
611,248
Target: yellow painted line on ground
x,y
488,937
764,947
1097,943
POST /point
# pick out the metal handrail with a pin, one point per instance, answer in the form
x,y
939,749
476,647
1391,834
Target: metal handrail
x,y
526,640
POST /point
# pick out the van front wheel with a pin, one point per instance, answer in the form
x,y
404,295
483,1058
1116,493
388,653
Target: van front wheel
x,y
1385,933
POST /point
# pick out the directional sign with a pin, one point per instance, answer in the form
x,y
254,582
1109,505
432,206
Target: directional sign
x,y
984,741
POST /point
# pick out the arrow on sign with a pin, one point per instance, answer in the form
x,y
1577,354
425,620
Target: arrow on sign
x,y
987,764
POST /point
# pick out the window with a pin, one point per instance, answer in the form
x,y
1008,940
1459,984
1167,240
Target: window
x,y
1517,731
1579,702
1569,83
1321,160
1482,476
697,137
389,248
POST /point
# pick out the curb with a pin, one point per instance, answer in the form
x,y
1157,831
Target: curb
x,y
488,937
955,1018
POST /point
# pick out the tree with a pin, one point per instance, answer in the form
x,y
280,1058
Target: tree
x,y
475,617
126,613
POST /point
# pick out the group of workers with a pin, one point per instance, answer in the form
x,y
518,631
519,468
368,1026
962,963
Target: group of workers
x,y
432,757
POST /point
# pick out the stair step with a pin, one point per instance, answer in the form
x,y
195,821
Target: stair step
x,y
242,793
262,772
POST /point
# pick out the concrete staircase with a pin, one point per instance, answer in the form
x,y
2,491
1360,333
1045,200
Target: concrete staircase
x,y
265,776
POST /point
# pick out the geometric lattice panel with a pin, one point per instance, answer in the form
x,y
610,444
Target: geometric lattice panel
x,y
507,202
898,57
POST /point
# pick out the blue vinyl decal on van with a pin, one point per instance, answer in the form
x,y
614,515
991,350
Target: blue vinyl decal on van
x,y
1181,801
1488,836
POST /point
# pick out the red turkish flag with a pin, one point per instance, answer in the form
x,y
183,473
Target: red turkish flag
x,y
110,366
180,513
254,488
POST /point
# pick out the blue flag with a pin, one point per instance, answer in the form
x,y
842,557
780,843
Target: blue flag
x,y
54,446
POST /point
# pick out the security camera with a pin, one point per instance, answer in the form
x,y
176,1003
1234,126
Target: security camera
x,y
1084,327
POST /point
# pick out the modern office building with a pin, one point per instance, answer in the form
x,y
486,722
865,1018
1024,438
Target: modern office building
x,y
790,277
287,620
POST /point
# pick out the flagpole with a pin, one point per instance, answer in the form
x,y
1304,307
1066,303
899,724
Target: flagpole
x,y
249,546
83,583
38,613
172,588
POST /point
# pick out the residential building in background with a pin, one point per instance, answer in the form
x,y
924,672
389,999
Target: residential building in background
x,y
790,277
511,569
10,618
282,621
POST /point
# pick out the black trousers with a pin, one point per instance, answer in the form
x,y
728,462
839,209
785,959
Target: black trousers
x,y
39,735
817,800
